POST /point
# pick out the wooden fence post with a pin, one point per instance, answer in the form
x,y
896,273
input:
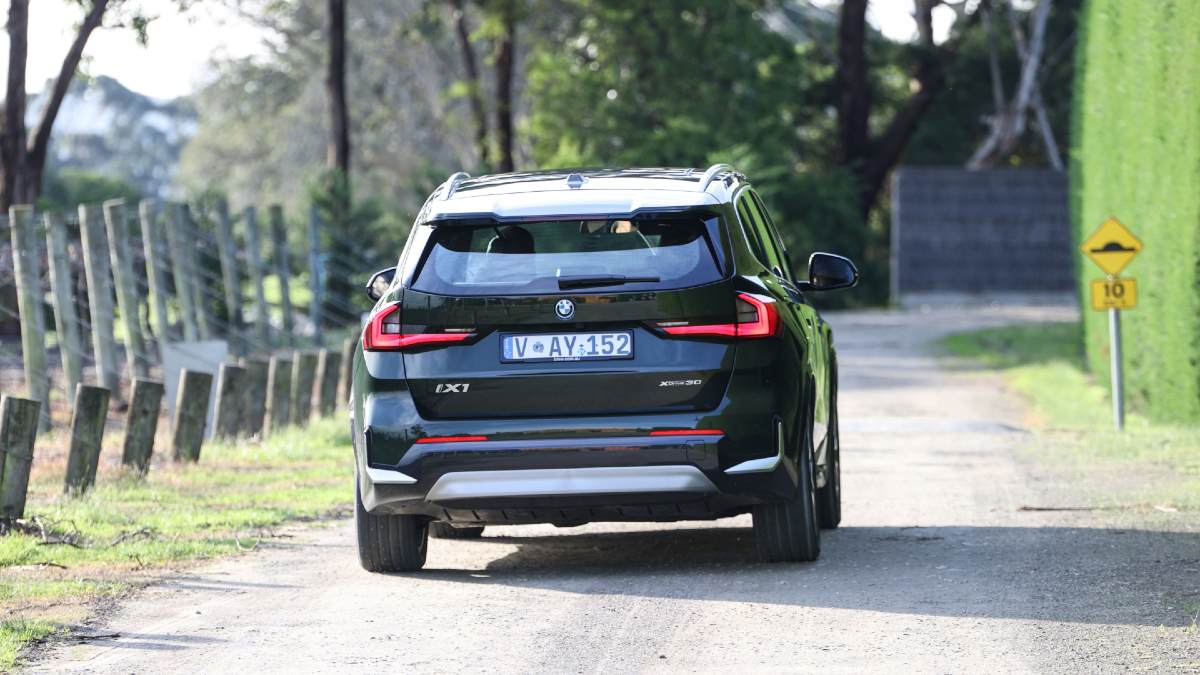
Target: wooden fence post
x,y
126,284
87,433
141,423
315,273
231,398
18,428
346,368
155,250
230,276
282,271
328,362
254,408
279,393
100,294
27,258
304,376
204,318
191,412
66,322
181,252
262,319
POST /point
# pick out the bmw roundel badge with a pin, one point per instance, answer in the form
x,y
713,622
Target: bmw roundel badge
x,y
565,309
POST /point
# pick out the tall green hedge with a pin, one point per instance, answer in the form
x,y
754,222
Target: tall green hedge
x,y
1136,156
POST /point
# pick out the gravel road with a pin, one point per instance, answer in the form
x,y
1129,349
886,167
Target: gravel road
x,y
935,569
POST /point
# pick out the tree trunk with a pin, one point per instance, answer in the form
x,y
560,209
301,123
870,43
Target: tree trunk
x,y
337,161
872,159
471,65
12,145
504,84
338,152
854,103
22,155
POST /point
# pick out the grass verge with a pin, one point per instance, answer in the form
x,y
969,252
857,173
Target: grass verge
x,y
1151,464
72,551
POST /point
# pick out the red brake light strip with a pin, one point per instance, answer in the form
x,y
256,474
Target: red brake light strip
x,y
765,324
376,340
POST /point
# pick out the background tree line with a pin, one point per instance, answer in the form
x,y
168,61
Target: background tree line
x,y
390,96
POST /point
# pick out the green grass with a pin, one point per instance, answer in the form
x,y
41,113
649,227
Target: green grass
x,y
1073,413
15,634
127,527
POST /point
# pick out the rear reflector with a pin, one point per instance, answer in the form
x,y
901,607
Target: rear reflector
x,y
687,432
452,439
383,334
757,318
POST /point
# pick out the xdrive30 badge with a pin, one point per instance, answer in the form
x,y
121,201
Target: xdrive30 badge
x,y
679,383
564,309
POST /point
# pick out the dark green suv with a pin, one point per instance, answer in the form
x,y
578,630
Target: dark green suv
x,y
596,345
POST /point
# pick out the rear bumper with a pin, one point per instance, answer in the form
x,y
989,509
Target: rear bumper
x,y
572,480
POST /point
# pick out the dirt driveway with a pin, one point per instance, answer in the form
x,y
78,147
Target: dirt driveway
x,y
935,569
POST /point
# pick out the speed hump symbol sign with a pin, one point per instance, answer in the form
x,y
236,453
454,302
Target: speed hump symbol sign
x,y
1112,246
1114,294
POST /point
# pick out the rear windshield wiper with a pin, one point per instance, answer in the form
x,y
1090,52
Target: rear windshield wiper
x,y
602,280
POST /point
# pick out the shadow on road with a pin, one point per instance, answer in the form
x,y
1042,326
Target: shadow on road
x,y
1054,573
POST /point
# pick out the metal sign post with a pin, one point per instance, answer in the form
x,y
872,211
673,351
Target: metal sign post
x,y
1112,246
1118,384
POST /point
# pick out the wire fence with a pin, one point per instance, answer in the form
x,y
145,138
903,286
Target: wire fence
x,y
107,289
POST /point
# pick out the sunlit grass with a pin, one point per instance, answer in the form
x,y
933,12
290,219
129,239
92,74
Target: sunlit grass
x,y
75,550
1073,412
15,634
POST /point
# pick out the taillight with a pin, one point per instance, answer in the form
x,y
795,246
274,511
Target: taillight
x,y
383,334
757,317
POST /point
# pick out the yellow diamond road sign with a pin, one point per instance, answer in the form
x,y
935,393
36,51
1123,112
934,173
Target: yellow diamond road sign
x,y
1111,246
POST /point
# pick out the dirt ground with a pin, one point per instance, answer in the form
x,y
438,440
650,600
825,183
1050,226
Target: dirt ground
x,y
945,562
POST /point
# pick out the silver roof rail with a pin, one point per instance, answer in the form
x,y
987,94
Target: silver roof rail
x,y
712,173
452,184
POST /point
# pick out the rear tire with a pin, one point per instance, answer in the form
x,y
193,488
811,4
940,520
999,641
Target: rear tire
x,y
787,531
389,543
829,497
440,530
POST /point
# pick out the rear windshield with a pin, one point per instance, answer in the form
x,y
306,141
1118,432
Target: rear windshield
x,y
552,256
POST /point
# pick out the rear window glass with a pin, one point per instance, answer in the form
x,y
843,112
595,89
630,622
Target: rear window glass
x,y
551,256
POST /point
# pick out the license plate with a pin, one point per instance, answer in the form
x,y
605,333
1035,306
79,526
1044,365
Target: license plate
x,y
566,347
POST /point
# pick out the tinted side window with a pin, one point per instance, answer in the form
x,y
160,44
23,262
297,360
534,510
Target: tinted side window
x,y
750,225
777,240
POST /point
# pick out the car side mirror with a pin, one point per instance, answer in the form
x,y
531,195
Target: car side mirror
x,y
380,282
827,272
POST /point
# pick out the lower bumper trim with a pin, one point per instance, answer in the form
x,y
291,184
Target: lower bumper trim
x,y
556,482
388,477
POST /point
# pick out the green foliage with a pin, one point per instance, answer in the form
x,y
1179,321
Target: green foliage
x,y
958,118
67,188
685,83
655,83
1137,157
